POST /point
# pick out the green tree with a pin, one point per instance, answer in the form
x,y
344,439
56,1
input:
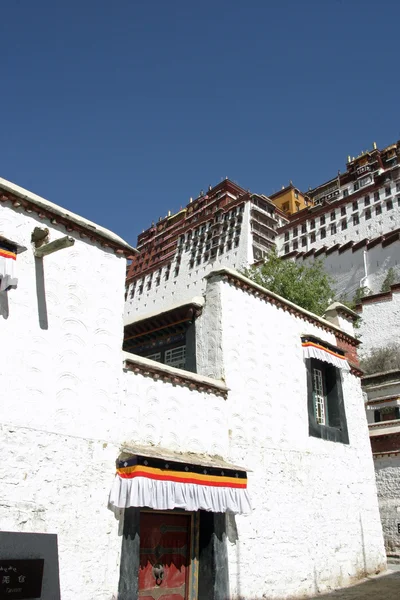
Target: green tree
x,y
389,280
307,285
386,358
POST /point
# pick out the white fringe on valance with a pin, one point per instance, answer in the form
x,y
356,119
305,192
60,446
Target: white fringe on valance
x,y
8,273
311,351
167,495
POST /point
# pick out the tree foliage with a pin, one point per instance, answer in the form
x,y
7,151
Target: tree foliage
x,y
382,359
307,285
389,280
360,293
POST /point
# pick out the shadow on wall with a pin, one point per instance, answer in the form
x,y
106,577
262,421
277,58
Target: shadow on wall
x,y
41,294
4,309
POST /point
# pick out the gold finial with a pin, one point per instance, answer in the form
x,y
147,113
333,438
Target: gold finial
x,y
348,158
374,145
169,213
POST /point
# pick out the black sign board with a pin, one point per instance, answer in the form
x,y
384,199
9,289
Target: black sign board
x,y
21,579
398,527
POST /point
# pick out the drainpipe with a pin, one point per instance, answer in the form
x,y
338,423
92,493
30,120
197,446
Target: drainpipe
x,y
363,281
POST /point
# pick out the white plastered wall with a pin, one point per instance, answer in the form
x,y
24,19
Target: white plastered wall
x,y
68,407
387,470
362,267
315,521
380,323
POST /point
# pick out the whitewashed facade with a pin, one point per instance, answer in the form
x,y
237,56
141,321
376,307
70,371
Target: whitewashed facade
x,y
223,228
73,400
352,215
359,265
383,414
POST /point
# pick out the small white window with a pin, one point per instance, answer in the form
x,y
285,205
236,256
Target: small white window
x,y
176,357
319,397
156,356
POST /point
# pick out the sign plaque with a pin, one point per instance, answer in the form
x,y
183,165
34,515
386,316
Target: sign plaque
x,y
21,579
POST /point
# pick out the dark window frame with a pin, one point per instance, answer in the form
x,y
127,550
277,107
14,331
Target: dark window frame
x,y
336,430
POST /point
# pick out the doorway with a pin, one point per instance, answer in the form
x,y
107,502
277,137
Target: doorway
x,y
168,562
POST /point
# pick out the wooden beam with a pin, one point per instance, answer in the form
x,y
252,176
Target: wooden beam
x,y
64,242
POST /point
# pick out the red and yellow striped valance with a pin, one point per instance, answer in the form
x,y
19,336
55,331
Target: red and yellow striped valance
x,y
164,485
314,348
8,254
182,477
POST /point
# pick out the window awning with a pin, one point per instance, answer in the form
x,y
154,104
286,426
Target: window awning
x,y
147,480
316,348
8,257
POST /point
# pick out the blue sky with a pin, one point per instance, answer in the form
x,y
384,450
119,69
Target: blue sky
x,y
120,111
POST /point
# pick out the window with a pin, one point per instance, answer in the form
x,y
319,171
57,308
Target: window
x,y
312,224
378,209
326,411
387,191
343,211
156,356
312,237
368,214
286,248
356,219
304,228
376,196
366,200
355,205
221,249
356,186
398,186
176,357
344,224
304,241
295,231
296,194
323,233
333,215
389,204
286,236
333,229
322,220
345,193
295,245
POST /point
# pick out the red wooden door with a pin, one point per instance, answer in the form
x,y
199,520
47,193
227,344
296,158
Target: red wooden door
x,y
164,556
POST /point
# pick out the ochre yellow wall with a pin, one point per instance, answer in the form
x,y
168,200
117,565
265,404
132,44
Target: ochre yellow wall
x,y
288,198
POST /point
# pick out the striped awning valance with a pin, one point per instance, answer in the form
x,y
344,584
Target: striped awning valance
x,y
320,350
8,276
162,484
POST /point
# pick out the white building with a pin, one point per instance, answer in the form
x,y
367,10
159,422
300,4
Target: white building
x,y
273,415
228,226
383,413
363,203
